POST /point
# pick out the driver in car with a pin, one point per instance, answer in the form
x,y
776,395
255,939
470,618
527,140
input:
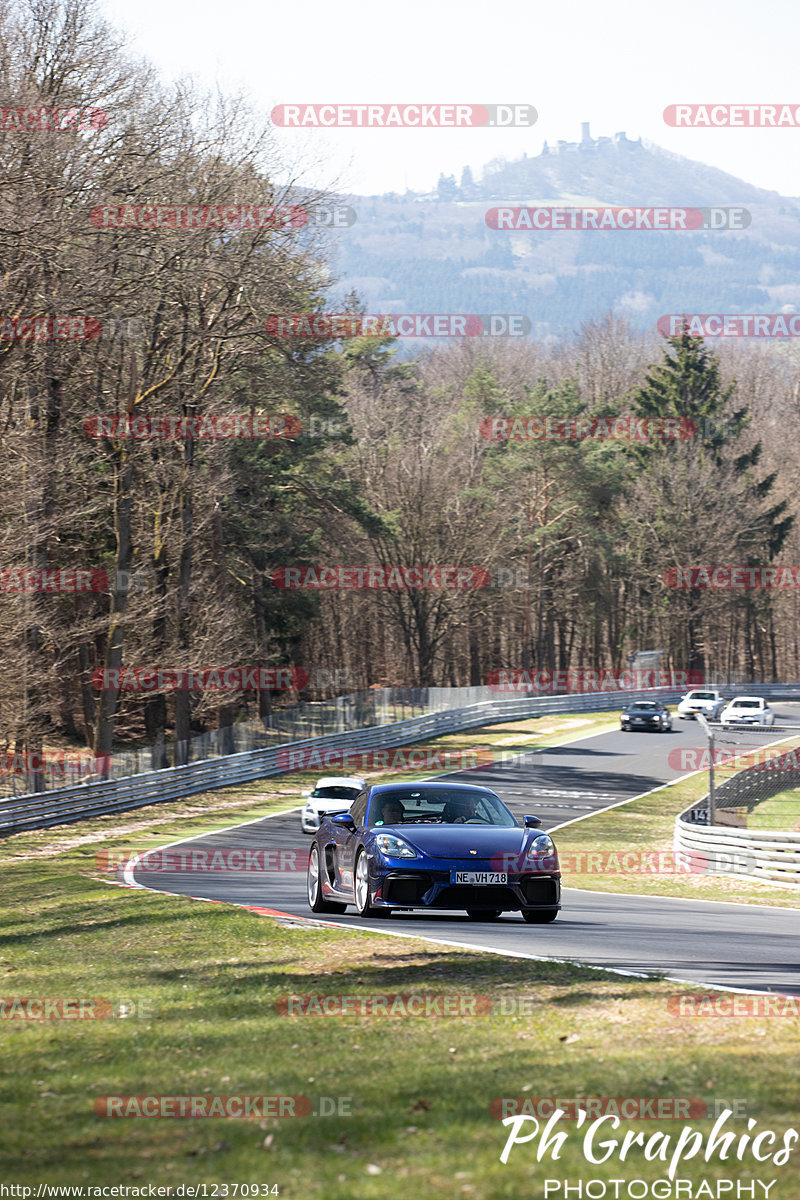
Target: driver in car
x,y
459,810
393,813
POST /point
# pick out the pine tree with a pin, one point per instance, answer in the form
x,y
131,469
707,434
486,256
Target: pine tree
x,y
697,501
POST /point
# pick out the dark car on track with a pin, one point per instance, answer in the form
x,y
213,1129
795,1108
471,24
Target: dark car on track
x,y
433,845
646,714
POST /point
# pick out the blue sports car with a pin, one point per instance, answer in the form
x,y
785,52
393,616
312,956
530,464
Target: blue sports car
x,y
433,845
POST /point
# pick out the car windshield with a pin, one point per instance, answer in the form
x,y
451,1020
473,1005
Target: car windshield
x,y
428,806
747,704
701,696
645,706
332,792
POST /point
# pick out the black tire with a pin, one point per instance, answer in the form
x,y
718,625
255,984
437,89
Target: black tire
x,y
361,887
314,888
539,916
483,914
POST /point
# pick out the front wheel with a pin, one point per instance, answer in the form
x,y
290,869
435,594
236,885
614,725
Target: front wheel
x,y
539,916
363,906
314,884
483,914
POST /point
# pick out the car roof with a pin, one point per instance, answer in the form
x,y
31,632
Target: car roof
x,y
736,699
341,781
439,785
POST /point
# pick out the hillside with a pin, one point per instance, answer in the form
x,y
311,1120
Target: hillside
x,y
434,253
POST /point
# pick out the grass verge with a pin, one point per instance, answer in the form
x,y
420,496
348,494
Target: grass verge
x,y
410,1095
594,850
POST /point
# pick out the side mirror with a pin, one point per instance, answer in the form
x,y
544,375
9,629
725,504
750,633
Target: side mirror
x,y
343,819
306,794
532,822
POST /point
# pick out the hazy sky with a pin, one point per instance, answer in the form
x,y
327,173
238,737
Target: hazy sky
x,y
617,65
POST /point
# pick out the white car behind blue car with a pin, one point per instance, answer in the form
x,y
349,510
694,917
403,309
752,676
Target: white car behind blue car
x,y
747,710
332,794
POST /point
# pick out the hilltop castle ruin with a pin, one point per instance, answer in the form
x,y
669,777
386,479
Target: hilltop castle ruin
x,y
587,143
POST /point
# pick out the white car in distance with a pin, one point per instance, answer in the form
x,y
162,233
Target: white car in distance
x,y
747,710
707,701
332,794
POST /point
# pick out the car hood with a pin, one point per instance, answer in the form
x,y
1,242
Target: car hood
x,y
456,841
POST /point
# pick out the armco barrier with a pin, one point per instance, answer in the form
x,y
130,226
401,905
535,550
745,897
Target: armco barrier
x,y
762,854
66,805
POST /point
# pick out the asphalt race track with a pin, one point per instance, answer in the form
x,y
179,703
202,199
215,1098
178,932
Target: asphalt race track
x,y
727,945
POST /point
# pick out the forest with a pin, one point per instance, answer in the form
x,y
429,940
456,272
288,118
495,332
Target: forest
x,y
174,469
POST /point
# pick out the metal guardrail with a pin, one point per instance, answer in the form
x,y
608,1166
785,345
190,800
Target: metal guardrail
x,y
67,805
64,806
761,854
772,855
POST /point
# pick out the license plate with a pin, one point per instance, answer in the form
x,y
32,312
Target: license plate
x,y
479,878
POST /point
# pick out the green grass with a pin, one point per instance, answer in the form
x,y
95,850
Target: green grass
x,y
645,827
781,811
205,981
414,1092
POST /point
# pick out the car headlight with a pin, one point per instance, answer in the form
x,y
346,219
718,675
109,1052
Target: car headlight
x,y
542,846
394,847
